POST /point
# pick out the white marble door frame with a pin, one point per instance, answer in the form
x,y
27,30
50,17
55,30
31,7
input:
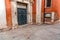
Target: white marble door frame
x,y
38,11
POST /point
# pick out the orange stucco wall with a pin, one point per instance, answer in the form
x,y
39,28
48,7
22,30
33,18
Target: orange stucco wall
x,y
52,8
8,12
55,7
34,11
58,7
42,11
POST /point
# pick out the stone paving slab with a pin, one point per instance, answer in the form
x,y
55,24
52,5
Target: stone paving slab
x,y
33,32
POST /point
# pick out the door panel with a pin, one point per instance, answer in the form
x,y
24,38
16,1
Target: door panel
x,y
22,16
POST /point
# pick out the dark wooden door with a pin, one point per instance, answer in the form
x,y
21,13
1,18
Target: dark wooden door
x,y
22,16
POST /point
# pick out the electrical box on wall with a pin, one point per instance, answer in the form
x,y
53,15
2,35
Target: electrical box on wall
x,y
49,17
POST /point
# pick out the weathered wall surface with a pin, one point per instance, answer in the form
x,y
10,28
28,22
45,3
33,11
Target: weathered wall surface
x,y
2,14
13,12
8,12
54,8
57,3
38,11
42,11
34,12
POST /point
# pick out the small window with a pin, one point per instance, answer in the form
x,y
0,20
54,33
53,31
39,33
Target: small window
x,y
47,3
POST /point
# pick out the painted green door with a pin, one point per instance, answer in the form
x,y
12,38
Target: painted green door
x,y
22,16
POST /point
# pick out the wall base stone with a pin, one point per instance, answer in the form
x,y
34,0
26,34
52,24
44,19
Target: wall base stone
x,y
4,28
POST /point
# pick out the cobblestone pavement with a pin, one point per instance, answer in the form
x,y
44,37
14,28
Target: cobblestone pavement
x,y
33,32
